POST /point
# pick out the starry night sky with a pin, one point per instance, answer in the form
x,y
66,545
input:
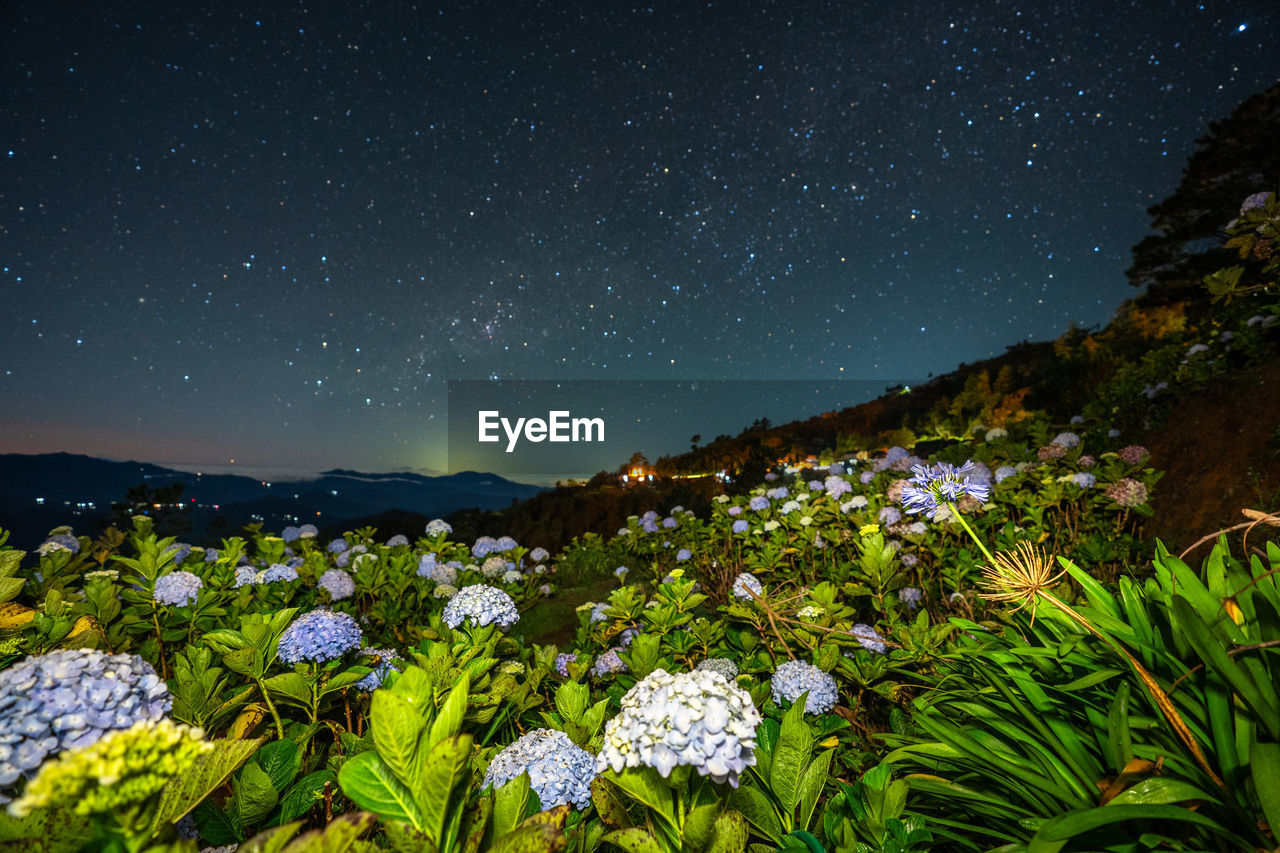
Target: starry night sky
x,y
273,235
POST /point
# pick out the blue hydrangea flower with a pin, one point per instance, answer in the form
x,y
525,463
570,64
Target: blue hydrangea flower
x,y
338,546
539,555
1085,480
291,534
308,531
562,663
444,573
1066,439
397,540
338,584
697,719
179,550
278,572
910,595
795,677
740,526
869,639
480,605
621,572
837,486
758,503
735,510
683,554
211,555
746,581
505,543
559,771
931,487
426,563
493,566
177,588
770,477
319,636
789,507
70,698
854,503
598,612
59,542
891,456
776,494
381,669
866,477
245,576
1004,472
438,526
669,522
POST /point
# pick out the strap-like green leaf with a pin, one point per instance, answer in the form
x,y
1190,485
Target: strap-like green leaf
x,y
1264,761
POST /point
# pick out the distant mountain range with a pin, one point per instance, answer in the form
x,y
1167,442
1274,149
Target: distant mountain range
x,y
41,491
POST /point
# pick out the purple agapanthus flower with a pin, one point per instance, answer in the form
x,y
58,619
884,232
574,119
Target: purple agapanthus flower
x,y
932,486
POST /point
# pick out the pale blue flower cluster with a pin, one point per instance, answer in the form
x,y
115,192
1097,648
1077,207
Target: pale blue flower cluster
x,y
698,719
480,605
910,595
759,503
683,554
889,515
1085,480
608,664
559,770
621,573
70,698
438,526
538,555
245,576
746,581
837,486
277,572
493,566
338,584
1004,472
337,546
397,541
795,677
308,531
177,588
179,550
381,669
59,542
724,666
1066,439
291,534
740,526
319,636
442,573
776,494
869,639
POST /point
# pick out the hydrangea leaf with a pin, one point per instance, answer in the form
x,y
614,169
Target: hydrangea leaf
x,y
790,755
448,721
532,838
254,795
730,835
340,835
280,760
210,770
755,806
609,805
304,793
446,765
371,785
45,831
811,785
634,839
699,825
396,728
290,687
644,785
509,803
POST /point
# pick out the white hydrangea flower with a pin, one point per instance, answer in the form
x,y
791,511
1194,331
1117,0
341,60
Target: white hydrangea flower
x,y
480,605
696,718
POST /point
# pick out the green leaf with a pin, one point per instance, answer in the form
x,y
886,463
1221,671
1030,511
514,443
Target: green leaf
x,y
338,837
1055,832
1160,791
370,784
448,721
304,793
811,785
255,796
757,809
281,760
396,727
790,755
44,831
446,765
291,687
609,804
644,785
634,839
571,700
699,825
1261,698
730,835
1264,759
208,772
509,803
532,838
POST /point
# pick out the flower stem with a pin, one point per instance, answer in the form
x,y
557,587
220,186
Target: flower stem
x,y
272,708
960,518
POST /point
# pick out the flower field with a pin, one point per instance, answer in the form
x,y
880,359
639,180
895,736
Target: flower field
x,y
973,649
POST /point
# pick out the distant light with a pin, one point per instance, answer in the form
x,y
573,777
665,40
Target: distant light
x,y
1242,28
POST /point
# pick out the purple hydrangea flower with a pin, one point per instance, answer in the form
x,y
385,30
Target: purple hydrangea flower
x,y
539,555
910,595
70,698
735,510
837,486
746,581
1133,454
562,663
338,584
777,494
669,522
308,531
59,542
291,534
794,678
866,477
177,588
319,636
1128,492
889,515
381,669
1066,439
608,663
337,546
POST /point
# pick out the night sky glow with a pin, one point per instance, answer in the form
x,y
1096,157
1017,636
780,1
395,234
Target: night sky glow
x,y
271,236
